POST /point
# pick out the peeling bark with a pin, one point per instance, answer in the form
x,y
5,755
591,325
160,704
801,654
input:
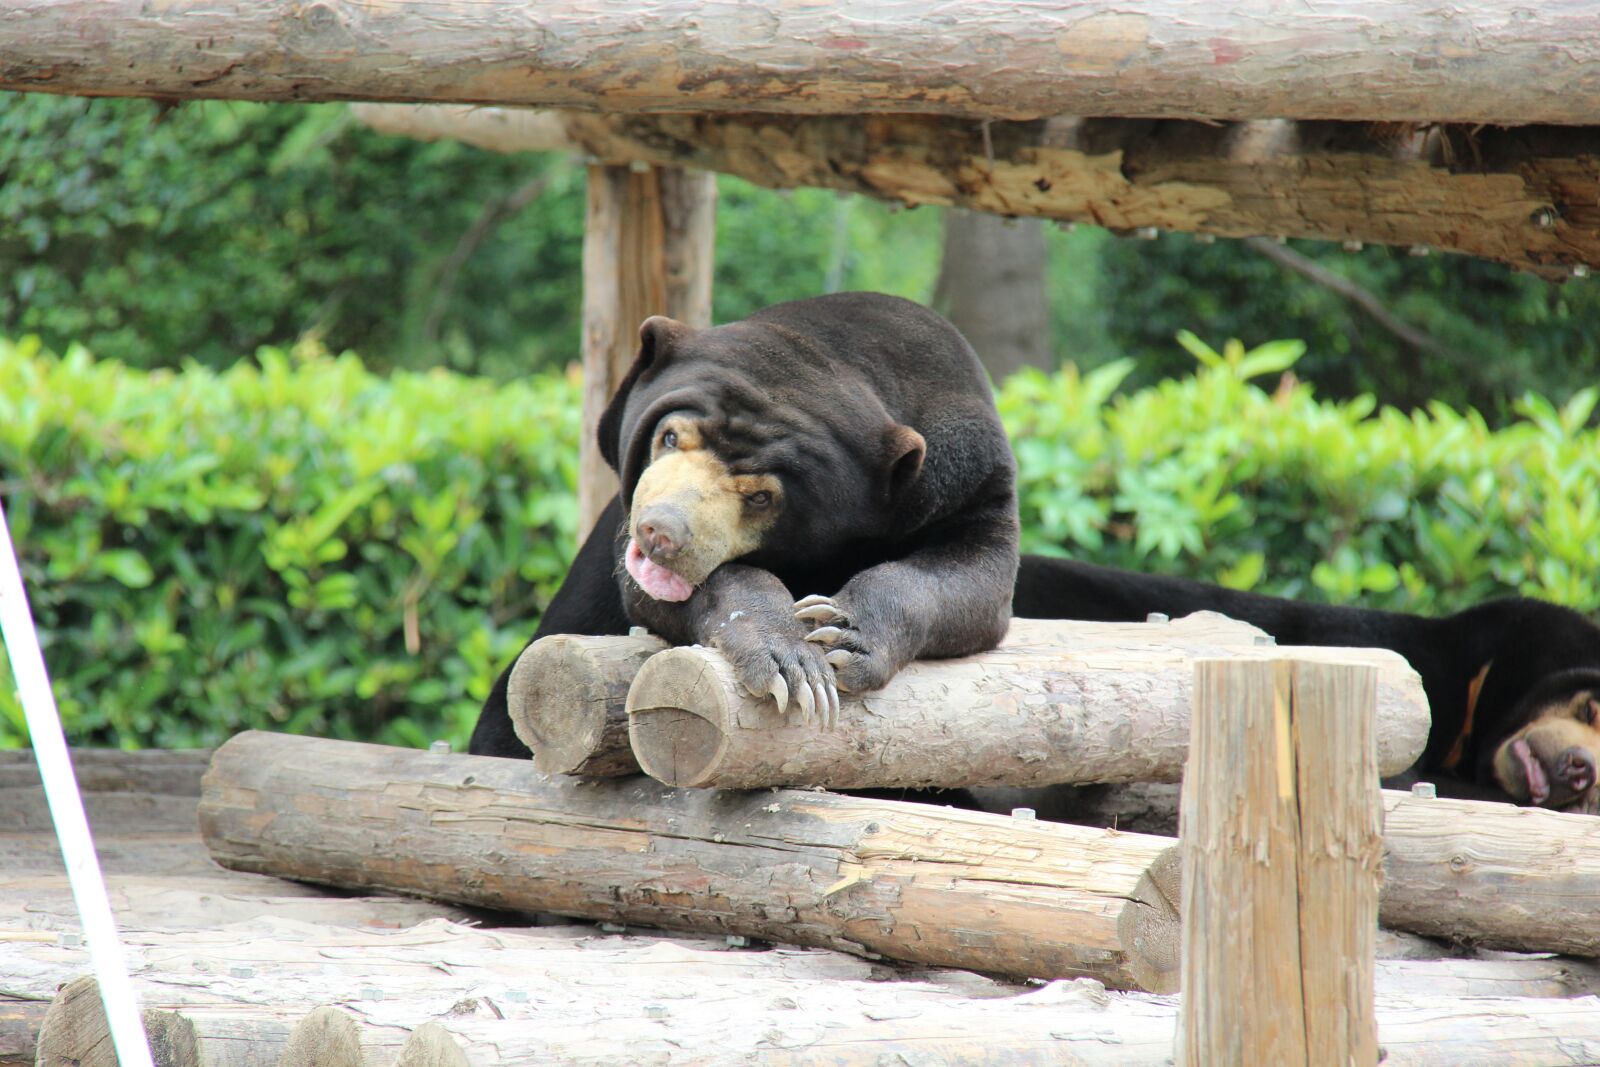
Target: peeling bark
x,y
1529,197
909,881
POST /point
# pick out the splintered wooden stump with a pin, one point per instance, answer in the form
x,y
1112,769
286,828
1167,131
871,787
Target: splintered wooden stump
x,y
909,881
1057,702
1280,849
568,696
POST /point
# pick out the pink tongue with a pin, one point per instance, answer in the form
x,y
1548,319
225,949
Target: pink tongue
x,y
653,578
1538,784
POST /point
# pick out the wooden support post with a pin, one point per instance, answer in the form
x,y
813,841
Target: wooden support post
x,y
647,250
1281,846
910,881
1057,702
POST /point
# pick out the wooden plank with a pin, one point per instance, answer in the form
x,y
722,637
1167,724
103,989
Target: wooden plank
x,y
1477,61
1532,193
151,771
910,881
1279,825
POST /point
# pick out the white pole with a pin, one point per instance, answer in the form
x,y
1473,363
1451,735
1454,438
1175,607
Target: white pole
x,y
66,809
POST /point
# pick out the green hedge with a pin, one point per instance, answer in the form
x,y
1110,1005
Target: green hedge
x,y
300,545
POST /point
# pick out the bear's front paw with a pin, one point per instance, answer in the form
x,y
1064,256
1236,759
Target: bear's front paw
x,y
858,667
785,668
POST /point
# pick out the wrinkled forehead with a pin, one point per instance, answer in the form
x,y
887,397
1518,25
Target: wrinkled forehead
x,y
743,421
1557,696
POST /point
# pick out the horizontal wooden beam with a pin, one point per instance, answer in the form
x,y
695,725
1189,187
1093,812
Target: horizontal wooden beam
x,y
910,881
1479,61
1529,197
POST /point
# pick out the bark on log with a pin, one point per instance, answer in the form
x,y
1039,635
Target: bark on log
x,y
1489,875
1481,61
75,1034
568,694
1526,197
1492,875
613,1015
1280,845
1056,702
910,881
568,699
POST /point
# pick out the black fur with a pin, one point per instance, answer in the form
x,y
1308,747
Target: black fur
x,y
920,552
1538,653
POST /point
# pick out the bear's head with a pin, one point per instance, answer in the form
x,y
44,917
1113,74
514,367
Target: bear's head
x,y
1551,753
751,442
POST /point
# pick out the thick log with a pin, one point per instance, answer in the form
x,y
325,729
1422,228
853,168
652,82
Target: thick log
x,y
641,1005
568,699
1280,846
1056,702
568,695
1492,875
1480,61
1531,194
75,1034
913,882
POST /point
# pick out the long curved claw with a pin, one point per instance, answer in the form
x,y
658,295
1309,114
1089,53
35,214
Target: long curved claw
x,y
780,692
820,609
808,702
819,691
839,657
826,635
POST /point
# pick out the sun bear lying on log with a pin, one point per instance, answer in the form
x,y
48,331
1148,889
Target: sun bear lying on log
x,y
1514,685
822,491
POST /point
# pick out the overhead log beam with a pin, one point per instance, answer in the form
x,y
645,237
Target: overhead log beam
x,y
1494,61
1527,197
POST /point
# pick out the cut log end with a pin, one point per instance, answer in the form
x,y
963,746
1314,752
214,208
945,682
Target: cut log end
x,y
567,696
678,709
1149,929
430,1045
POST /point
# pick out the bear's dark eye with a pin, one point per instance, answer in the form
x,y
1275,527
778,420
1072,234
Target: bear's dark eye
x,y
669,439
759,499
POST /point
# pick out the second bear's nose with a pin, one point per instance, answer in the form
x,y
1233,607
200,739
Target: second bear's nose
x,y
663,532
1575,766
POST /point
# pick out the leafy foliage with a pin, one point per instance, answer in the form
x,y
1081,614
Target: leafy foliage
x,y
299,544
201,232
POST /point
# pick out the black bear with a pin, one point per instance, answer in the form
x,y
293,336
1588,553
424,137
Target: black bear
x,y
1514,684
846,450
843,450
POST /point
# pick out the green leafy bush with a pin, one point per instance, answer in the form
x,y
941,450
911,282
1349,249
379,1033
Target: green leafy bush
x,y
301,545
296,545
1212,477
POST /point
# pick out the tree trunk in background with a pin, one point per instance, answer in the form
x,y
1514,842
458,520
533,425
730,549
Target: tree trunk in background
x,y
991,285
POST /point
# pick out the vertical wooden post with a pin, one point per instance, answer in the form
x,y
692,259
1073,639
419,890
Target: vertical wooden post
x,y
1281,837
647,250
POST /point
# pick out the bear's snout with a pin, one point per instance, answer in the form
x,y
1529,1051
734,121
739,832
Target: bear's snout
x,y
663,531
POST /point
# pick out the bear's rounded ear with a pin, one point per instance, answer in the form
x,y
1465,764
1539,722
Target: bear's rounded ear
x,y
904,450
657,336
